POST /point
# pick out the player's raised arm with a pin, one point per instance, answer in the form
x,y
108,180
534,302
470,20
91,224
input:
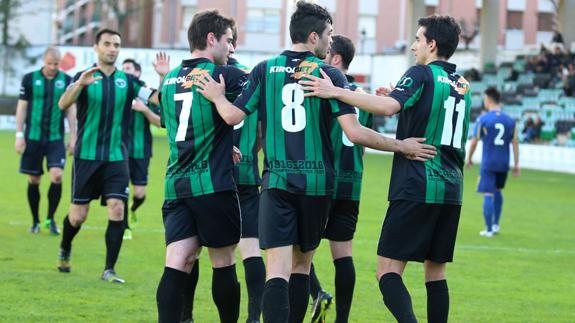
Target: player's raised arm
x,y
215,92
411,148
72,92
162,67
324,88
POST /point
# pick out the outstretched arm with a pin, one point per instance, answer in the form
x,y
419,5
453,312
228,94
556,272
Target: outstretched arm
x,y
411,148
153,118
215,92
162,67
324,88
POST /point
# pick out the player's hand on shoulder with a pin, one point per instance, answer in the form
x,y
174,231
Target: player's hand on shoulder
x,y
162,63
318,86
415,149
210,88
87,77
384,91
236,155
20,145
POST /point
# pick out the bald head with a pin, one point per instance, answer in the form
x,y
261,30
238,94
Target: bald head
x,y
51,61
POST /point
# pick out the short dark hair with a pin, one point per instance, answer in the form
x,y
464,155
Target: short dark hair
x,y
444,30
343,47
105,31
235,36
205,22
137,66
308,18
493,94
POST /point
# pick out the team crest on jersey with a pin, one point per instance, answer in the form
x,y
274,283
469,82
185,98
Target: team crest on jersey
x,y
121,83
304,68
59,84
405,82
38,83
193,77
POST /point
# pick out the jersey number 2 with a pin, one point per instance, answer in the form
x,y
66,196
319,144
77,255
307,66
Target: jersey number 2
x,y
293,112
449,136
184,118
499,138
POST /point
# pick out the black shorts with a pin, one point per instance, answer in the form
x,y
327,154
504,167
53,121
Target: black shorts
x,y
94,178
31,161
342,220
414,231
213,218
249,196
292,219
139,171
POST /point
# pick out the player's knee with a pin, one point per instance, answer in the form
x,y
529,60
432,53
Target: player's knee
x,y
222,257
115,209
34,180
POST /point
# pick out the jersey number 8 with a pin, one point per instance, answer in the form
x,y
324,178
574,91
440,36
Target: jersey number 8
x,y
293,112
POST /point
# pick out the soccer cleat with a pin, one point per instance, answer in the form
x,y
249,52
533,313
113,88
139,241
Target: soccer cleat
x,y
64,257
133,218
35,228
485,233
109,275
495,228
53,228
127,234
320,307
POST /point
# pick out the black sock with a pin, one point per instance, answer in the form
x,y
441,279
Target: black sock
x,y
396,297
54,194
255,271
169,295
126,217
136,202
226,293
114,234
298,297
68,234
314,284
189,291
437,301
34,200
344,285
275,301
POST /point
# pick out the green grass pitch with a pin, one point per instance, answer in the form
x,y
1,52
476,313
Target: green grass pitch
x,y
526,274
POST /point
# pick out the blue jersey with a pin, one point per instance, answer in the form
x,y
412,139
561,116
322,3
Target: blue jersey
x,y
496,129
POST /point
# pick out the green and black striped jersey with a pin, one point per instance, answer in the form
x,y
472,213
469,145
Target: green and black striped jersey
x,y
246,172
104,115
348,157
295,129
44,119
200,141
140,146
435,104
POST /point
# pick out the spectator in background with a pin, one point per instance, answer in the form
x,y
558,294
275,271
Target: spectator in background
x,y
557,37
568,78
532,129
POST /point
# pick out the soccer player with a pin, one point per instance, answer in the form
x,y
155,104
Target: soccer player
x,y
201,204
103,96
497,130
425,198
140,146
40,133
298,168
247,178
342,219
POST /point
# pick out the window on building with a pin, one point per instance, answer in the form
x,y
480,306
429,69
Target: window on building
x,y
514,20
188,13
367,26
545,21
263,21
